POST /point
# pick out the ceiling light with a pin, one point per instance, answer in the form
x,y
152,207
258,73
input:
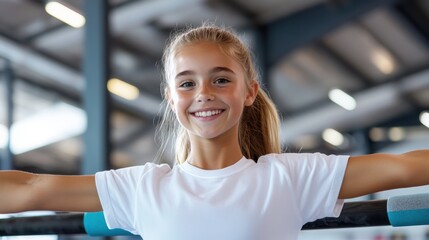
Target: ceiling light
x,y
396,134
51,125
377,134
343,99
65,14
333,137
123,89
383,61
424,118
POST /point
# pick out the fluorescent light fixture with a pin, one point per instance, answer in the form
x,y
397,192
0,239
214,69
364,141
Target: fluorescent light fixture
x,y
59,122
65,14
343,99
333,137
383,61
377,134
123,89
396,134
424,118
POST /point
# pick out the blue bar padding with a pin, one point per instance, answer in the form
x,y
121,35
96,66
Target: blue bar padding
x,y
96,226
409,217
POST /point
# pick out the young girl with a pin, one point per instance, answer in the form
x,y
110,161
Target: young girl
x,y
230,180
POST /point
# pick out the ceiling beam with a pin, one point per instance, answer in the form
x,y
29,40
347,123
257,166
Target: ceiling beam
x,y
296,30
414,13
374,105
124,20
65,77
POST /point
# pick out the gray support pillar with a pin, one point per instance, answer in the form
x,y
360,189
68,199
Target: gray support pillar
x,y
258,46
7,161
260,50
96,98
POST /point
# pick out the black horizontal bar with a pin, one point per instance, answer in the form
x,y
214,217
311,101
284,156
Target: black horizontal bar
x,y
43,225
355,214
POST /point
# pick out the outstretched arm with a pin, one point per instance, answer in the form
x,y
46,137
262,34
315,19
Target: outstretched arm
x,y
22,191
377,172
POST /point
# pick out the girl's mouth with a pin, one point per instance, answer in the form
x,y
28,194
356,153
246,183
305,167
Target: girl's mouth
x,y
208,113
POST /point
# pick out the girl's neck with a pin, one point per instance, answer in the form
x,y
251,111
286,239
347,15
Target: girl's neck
x,y
216,153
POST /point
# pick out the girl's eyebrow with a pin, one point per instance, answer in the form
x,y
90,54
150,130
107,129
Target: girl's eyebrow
x,y
213,70
221,69
185,73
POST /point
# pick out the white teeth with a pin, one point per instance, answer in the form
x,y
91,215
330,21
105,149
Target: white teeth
x,y
207,113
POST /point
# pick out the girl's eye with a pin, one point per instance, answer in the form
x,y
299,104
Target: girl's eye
x,y
186,84
222,81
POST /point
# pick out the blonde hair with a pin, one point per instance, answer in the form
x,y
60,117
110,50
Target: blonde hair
x,y
259,124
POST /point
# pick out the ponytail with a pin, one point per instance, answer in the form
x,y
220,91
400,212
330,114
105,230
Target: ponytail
x,y
259,128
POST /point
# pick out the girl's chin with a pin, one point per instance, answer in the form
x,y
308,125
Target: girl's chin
x,y
207,135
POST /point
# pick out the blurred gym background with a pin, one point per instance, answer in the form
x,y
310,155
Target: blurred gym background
x,y
348,76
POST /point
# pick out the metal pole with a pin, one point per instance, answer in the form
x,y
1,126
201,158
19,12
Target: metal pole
x,y
354,214
96,98
7,162
43,225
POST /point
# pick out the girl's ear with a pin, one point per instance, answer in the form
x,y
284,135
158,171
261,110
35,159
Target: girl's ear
x,y
251,93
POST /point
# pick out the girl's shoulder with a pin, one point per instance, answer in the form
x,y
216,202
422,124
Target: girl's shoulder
x,y
290,156
295,159
138,170
299,155
147,166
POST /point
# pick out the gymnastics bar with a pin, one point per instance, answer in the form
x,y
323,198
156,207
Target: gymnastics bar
x,y
407,210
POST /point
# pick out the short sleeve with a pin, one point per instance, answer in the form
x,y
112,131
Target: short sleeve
x,y
117,190
317,180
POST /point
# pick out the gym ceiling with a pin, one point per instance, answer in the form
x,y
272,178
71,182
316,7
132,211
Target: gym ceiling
x,y
375,51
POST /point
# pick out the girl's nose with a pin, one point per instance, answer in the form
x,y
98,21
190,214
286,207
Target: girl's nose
x,y
205,98
205,95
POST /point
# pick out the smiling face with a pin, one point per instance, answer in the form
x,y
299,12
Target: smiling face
x,y
208,91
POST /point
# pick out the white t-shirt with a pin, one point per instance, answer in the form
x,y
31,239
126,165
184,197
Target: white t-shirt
x,y
267,200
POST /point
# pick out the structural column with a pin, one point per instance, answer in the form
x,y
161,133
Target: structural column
x,y
7,159
96,67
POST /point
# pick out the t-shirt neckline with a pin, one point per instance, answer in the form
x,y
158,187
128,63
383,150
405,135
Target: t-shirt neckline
x,y
217,173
